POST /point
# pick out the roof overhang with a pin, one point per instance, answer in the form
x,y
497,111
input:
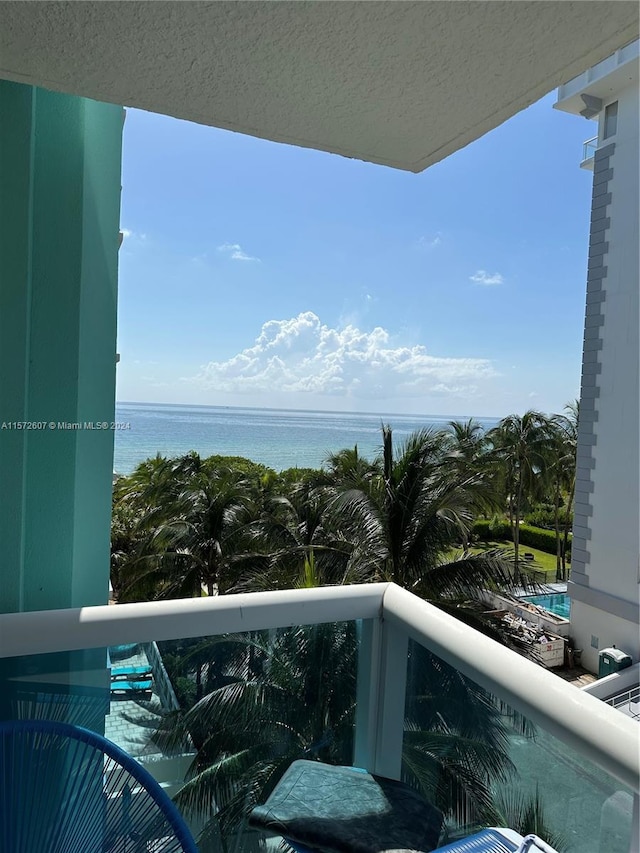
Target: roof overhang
x,y
602,82
398,83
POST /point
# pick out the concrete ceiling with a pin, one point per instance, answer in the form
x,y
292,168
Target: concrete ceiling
x,y
399,83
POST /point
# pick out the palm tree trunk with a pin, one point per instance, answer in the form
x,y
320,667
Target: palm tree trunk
x,y
516,531
556,522
567,525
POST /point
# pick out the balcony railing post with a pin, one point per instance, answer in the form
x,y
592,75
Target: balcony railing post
x,y
634,846
382,681
391,700
368,690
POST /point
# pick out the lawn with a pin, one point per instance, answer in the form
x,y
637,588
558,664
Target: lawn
x,y
542,561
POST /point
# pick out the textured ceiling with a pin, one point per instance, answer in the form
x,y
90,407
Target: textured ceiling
x,y
399,83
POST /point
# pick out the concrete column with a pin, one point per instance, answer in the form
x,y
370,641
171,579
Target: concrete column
x,y
60,160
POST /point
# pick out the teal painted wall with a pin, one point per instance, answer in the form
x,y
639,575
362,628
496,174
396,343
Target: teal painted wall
x,y
60,164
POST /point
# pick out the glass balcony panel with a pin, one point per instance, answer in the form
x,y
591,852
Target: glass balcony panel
x,y
484,765
226,713
588,153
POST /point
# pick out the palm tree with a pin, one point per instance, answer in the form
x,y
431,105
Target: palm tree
x,y
298,534
192,534
406,529
292,696
346,468
520,443
468,440
283,695
469,445
526,815
561,473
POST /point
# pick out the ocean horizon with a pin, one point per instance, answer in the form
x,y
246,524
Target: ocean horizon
x,y
279,438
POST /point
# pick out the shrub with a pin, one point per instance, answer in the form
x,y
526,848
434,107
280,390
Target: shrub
x,y
488,530
543,540
544,516
535,537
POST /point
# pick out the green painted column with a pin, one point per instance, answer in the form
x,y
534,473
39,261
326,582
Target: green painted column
x,y
60,163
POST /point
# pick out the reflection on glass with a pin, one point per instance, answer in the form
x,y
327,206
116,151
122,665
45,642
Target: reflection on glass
x,y
484,764
227,713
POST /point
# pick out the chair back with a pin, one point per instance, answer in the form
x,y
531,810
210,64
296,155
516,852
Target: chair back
x,y
65,789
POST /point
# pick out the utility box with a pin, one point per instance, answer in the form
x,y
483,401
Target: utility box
x,y
612,660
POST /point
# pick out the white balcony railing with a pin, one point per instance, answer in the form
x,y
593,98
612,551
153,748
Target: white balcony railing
x,y
588,153
392,616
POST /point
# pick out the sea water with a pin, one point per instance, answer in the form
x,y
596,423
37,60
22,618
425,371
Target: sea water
x,y
279,438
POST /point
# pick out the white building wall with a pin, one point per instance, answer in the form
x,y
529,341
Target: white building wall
x,y
613,567
605,578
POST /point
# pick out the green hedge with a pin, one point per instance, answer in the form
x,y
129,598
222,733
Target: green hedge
x,y
488,531
534,537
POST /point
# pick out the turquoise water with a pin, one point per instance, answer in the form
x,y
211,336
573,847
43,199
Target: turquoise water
x,y
559,604
276,437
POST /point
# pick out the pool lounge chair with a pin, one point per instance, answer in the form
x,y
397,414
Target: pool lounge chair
x,y
130,673
123,651
131,688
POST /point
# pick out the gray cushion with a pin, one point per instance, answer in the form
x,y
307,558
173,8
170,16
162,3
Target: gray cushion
x,y
344,810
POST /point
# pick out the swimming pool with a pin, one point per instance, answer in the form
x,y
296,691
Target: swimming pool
x,y
560,604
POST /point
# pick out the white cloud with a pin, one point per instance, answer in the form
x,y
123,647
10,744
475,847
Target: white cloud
x,y
430,242
235,252
302,354
483,277
132,236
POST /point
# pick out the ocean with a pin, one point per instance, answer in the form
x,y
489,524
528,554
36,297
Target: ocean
x,y
279,438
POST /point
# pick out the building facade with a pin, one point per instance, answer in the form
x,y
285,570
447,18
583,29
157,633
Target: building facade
x,y
605,576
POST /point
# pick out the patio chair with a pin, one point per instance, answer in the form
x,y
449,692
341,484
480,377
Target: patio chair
x,y
498,840
64,789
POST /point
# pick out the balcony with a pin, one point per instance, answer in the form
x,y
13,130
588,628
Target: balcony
x,y
579,753
588,153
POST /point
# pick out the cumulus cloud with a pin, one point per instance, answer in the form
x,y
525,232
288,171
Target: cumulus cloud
x,y
235,252
483,277
302,354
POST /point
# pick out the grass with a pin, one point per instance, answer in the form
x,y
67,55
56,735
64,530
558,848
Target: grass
x,y
541,560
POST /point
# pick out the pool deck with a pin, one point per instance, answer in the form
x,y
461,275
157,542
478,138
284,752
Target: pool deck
x,y
132,722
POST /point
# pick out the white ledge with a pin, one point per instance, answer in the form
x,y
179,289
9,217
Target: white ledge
x,y
42,631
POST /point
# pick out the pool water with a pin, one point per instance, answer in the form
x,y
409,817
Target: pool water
x,y
560,604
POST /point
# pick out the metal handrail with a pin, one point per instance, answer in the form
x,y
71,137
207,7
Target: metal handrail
x,y
570,714
625,698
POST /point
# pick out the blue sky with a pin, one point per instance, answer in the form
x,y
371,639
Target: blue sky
x,y
259,274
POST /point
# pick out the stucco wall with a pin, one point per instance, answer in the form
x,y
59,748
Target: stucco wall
x,y
606,551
